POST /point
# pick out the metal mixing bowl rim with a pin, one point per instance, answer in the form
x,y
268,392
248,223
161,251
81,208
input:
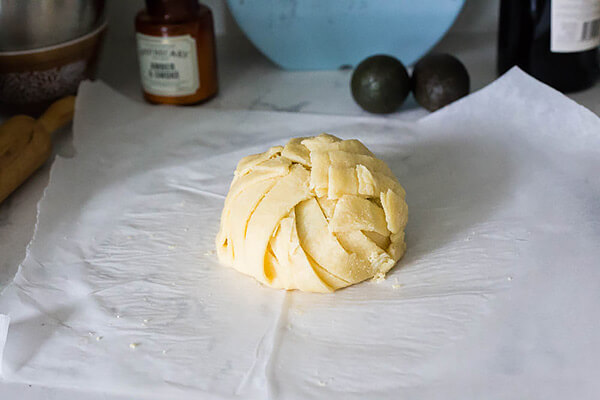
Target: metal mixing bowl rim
x,y
100,28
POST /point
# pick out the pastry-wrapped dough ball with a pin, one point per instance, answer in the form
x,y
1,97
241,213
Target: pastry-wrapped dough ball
x,y
316,215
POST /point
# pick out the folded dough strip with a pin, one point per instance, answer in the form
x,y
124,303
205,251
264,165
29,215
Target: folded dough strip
x,y
353,213
330,279
293,260
297,152
351,146
243,183
322,245
347,159
395,210
383,241
246,164
397,246
376,260
274,206
372,252
234,231
238,186
342,181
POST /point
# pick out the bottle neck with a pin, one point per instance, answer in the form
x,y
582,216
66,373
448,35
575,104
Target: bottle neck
x,y
172,10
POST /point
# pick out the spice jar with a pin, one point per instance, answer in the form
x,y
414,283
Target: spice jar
x,y
176,52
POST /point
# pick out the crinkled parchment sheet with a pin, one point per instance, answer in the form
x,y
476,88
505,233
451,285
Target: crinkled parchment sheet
x,y
120,290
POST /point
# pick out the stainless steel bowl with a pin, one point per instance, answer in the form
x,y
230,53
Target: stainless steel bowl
x,y
31,24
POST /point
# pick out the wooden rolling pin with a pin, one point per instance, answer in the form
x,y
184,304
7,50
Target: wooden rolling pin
x,y
26,143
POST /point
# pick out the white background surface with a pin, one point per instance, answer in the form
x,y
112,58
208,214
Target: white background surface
x,y
248,81
502,196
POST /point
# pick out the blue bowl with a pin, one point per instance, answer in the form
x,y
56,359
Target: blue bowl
x,y
328,34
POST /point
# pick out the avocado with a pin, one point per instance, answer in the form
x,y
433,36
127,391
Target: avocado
x,y
438,80
380,84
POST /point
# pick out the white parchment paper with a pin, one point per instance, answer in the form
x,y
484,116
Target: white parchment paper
x,y
120,290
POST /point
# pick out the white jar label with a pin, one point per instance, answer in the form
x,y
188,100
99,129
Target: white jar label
x,y
168,65
575,25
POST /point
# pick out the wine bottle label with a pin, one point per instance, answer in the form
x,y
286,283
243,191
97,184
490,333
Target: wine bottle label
x,y
575,25
168,65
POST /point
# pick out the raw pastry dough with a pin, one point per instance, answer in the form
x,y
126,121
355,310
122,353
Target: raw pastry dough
x,y
316,215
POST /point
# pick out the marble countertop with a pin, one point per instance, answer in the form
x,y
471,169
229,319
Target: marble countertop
x,y
247,81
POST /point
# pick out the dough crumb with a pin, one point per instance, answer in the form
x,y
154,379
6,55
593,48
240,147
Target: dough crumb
x,y
379,277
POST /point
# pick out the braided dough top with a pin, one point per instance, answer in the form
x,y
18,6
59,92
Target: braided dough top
x,y
316,215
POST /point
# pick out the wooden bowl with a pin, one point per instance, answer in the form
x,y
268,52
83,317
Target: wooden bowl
x,y
32,79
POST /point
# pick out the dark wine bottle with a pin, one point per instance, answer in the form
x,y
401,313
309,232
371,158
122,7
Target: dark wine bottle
x,y
555,41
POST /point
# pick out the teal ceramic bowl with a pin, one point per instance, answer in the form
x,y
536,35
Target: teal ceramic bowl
x,y
329,34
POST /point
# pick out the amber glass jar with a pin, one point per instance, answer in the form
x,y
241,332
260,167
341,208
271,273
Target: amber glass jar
x,y
176,52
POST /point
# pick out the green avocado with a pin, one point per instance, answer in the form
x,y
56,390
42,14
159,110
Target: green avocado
x,y
380,84
438,80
